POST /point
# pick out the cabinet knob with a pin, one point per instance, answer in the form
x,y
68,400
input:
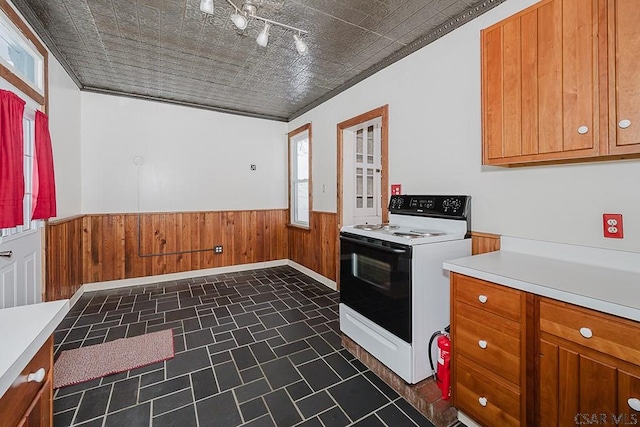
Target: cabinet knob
x,y
482,344
634,403
586,332
482,401
624,123
36,376
583,129
482,299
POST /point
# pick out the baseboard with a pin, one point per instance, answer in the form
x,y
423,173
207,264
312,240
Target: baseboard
x,y
466,420
123,283
316,276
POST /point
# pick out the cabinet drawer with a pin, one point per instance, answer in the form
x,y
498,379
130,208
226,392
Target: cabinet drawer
x,y
609,334
484,338
19,396
502,404
495,299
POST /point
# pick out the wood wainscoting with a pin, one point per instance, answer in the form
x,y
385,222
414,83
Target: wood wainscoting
x,y
484,242
64,265
96,248
316,248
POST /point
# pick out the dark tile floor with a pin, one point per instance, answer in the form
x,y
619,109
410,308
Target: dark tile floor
x,y
254,348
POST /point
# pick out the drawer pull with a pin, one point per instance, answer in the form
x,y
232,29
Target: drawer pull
x,y
482,344
586,332
634,403
482,401
483,299
36,376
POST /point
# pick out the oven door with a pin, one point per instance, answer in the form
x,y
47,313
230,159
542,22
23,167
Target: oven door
x,y
375,281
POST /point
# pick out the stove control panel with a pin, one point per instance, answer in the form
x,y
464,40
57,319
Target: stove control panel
x,y
453,207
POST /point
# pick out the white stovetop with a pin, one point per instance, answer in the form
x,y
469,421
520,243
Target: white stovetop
x,y
23,330
442,230
600,279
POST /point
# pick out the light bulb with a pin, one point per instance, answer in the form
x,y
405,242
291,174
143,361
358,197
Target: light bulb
x,y
301,46
206,6
239,21
263,37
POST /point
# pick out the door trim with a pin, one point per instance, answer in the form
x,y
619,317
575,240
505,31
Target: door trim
x,y
383,113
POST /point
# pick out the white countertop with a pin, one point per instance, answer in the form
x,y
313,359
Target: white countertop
x,y
23,331
611,288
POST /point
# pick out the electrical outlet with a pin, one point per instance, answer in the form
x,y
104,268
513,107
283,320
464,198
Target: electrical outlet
x,y
612,226
217,249
253,167
396,189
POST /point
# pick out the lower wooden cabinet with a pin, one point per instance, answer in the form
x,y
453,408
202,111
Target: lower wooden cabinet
x,y
588,371
489,326
29,401
540,362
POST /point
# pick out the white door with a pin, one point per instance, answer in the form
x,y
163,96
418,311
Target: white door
x,y
366,169
21,273
21,247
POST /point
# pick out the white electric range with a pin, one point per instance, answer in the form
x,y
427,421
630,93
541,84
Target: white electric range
x,y
393,291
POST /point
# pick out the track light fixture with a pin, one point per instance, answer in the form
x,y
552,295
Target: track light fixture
x,y
263,37
206,6
301,46
249,10
240,21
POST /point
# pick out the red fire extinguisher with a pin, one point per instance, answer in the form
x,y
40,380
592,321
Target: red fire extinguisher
x,y
443,375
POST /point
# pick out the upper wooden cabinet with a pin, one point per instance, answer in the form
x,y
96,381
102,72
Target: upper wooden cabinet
x,y
624,78
546,73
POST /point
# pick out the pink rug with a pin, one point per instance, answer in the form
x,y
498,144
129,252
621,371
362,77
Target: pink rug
x,y
95,361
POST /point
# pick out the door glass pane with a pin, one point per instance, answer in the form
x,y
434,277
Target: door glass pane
x,y
359,146
302,202
370,145
302,161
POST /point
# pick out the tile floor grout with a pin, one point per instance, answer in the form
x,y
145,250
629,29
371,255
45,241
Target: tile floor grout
x,y
283,322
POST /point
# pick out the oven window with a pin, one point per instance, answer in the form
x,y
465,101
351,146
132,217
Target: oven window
x,y
372,271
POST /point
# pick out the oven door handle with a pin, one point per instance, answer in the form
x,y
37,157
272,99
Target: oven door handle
x,y
373,245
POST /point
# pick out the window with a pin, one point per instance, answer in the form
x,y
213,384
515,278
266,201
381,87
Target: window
x,y
300,175
23,62
19,55
29,142
23,59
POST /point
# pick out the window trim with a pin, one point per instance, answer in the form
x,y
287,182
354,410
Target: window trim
x,y
290,137
13,78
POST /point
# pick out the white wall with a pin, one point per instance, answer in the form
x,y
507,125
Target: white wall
x,y
64,126
193,159
435,147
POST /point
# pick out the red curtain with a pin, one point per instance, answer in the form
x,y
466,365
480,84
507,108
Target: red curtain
x,y
44,184
11,160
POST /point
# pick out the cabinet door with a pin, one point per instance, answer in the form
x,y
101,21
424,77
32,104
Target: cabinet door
x,y
628,397
539,82
573,388
40,411
624,73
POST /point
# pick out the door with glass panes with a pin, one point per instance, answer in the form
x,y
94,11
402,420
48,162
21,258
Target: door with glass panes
x,y
367,166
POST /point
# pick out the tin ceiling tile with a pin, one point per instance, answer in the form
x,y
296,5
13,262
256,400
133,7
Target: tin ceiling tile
x,y
169,50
